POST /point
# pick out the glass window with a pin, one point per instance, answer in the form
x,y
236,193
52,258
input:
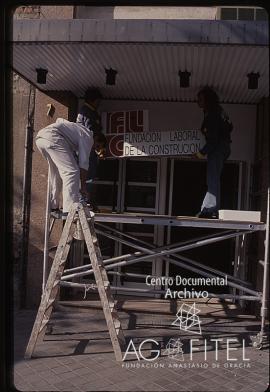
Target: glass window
x,y
106,245
143,267
228,13
140,196
141,171
246,13
105,195
107,170
261,14
126,249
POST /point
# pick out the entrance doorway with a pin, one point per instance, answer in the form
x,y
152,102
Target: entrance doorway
x,y
161,186
130,185
185,192
140,194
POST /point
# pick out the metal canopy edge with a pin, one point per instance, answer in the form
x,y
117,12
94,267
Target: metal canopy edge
x,y
181,31
76,52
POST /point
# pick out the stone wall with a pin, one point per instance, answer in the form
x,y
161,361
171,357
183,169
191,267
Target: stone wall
x,y
22,107
65,106
27,12
56,12
26,102
47,12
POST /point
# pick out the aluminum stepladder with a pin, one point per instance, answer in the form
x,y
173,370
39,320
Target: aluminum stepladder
x,y
79,218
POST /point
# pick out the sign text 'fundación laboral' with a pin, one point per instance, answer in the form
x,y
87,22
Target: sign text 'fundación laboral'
x,y
162,143
128,135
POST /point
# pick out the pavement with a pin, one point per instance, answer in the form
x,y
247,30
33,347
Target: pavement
x,y
77,355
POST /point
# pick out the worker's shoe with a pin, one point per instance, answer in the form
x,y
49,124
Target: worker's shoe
x,y
56,213
64,215
207,214
93,207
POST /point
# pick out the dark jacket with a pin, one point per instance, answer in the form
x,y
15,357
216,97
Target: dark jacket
x,y
90,118
216,128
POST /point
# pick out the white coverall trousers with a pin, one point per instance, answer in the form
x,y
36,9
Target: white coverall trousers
x,y
64,170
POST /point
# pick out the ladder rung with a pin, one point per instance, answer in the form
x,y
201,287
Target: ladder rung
x,y
114,314
102,282
50,302
43,325
116,324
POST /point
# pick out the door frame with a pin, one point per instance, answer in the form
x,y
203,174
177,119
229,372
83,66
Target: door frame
x,y
239,266
158,233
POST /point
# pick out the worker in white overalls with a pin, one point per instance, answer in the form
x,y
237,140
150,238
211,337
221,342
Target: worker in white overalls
x,y
59,143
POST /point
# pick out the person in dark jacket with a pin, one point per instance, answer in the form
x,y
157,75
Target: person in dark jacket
x,y
90,118
88,115
216,128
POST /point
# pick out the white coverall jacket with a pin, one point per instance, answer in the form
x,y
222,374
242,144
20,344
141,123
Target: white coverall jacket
x,y
57,143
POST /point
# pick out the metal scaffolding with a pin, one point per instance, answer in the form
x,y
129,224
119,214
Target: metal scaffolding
x,y
144,251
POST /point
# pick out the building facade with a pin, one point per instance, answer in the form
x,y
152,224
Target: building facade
x,y
147,46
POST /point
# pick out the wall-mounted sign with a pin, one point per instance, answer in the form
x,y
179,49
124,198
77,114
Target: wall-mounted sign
x,y
161,143
155,143
128,135
125,121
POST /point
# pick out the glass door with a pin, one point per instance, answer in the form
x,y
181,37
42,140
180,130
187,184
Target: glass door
x,y
131,186
140,194
187,186
106,191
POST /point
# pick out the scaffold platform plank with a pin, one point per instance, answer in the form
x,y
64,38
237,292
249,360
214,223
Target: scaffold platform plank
x,y
181,221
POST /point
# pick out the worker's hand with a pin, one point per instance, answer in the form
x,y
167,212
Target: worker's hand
x,y
198,155
101,153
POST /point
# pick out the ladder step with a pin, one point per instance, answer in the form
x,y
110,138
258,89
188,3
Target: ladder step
x,y
50,302
114,314
117,324
56,283
101,277
43,325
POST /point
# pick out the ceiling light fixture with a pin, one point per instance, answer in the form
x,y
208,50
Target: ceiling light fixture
x,y
41,75
253,79
184,78
110,76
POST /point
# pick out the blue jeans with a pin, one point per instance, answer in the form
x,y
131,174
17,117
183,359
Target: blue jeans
x,y
215,163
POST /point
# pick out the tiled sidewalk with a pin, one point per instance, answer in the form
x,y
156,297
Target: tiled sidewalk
x,y
78,355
